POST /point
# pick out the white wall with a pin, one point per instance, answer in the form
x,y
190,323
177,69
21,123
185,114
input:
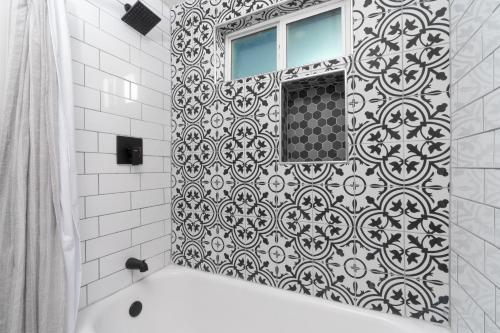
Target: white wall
x,y
122,87
475,229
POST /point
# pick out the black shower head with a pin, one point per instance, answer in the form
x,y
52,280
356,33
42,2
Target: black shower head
x,y
140,17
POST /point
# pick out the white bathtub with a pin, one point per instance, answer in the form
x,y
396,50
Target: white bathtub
x,y
180,300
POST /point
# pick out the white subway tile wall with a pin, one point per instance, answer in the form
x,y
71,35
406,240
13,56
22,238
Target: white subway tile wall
x,y
475,216
122,87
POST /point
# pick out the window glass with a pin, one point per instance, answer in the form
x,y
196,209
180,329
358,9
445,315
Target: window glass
x,y
254,54
315,39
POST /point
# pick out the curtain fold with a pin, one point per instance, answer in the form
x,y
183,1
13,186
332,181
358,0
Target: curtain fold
x,y
4,41
6,15
68,223
37,212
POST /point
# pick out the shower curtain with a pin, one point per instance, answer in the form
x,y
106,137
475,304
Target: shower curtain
x,y
4,34
39,244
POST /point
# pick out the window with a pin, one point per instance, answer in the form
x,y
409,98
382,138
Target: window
x,y
254,54
312,35
314,39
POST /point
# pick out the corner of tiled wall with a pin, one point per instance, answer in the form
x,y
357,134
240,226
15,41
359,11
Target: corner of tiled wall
x,y
475,219
122,87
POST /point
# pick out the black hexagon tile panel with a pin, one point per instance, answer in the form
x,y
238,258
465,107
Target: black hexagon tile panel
x,y
314,119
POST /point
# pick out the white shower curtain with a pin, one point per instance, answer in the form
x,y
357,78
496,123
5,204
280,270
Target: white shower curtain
x,y
68,225
39,240
5,16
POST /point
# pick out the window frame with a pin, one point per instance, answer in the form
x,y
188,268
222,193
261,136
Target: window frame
x,y
280,23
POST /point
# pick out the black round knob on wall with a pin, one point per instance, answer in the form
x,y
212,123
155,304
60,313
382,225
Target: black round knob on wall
x,y
135,309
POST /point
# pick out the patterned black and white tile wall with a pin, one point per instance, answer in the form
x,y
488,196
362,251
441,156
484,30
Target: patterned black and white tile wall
x,y
371,231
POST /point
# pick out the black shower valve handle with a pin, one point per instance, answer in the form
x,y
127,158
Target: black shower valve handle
x,y
129,150
135,155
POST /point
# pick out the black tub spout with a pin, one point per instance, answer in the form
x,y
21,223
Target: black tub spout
x,y
133,263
